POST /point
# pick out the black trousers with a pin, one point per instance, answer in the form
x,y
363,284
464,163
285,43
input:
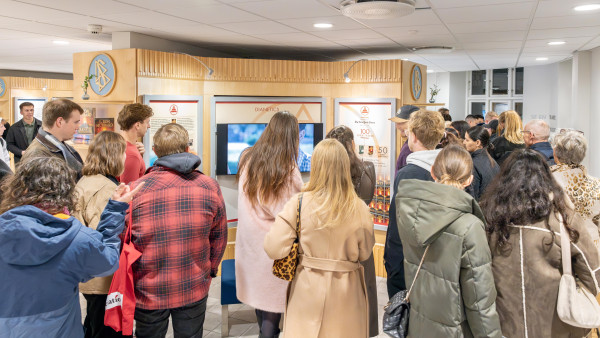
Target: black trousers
x,y
268,323
188,321
93,324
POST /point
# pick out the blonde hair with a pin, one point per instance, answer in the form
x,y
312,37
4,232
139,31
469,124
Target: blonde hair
x,y
331,184
428,127
453,166
170,139
105,155
512,127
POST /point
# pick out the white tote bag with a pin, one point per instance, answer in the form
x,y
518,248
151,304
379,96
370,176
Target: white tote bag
x,y
576,305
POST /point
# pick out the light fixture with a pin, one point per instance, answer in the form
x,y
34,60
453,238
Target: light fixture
x,y
430,71
377,9
404,59
590,7
432,49
556,43
322,25
60,42
210,70
541,59
44,88
346,77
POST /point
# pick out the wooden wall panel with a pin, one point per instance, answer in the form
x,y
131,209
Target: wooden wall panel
x,y
184,67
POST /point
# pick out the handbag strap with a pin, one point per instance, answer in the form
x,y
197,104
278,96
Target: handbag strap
x,y
417,274
565,247
127,237
298,216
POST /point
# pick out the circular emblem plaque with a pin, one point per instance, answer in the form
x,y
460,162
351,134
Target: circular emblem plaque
x,y
416,82
2,87
105,74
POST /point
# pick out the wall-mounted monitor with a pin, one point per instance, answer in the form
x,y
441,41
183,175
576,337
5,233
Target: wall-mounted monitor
x,y
233,139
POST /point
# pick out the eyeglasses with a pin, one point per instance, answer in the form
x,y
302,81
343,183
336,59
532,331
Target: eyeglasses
x,y
525,132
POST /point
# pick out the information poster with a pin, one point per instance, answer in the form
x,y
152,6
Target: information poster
x,y
183,112
373,138
38,107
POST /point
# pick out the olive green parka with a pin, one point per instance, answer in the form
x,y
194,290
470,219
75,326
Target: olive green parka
x,y
454,294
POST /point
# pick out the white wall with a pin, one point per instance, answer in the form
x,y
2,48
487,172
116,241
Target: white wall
x,y
540,93
594,136
442,79
458,95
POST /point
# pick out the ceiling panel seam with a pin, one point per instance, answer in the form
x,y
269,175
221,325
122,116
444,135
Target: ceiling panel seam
x,y
531,18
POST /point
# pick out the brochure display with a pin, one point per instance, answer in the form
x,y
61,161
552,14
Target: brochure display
x,y
184,110
374,136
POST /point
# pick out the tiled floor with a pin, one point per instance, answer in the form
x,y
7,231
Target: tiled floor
x,y
242,320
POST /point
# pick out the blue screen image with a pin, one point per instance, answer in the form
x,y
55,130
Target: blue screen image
x,y
242,136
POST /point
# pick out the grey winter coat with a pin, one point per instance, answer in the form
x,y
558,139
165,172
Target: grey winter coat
x,y
454,294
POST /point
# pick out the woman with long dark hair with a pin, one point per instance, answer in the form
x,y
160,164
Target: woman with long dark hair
x,y
461,127
267,177
522,208
484,166
363,180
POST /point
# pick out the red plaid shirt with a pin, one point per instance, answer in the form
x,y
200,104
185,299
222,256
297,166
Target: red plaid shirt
x,y
180,226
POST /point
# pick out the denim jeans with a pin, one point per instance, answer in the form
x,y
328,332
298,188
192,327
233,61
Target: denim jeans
x,y
187,321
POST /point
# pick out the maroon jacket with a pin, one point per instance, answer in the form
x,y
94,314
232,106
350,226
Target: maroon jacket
x,y
180,226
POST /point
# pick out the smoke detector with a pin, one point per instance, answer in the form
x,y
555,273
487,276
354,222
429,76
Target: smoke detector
x,y
377,9
433,49
94,29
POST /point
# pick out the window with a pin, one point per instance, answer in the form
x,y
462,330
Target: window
x,y
519,107
500,81
518,85
478,78
499,106
477,107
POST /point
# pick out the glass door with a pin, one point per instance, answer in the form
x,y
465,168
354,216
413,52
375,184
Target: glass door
x,y
477,107
500,81
478,82
499,106
518,81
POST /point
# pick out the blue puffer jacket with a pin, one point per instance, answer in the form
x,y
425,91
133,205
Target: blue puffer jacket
x,y
43,259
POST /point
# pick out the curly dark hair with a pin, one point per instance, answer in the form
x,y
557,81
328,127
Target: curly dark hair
x,y
346,136
46,182
524,192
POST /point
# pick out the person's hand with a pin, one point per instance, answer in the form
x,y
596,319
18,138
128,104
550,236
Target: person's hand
x,y
22,152
124,192
140,147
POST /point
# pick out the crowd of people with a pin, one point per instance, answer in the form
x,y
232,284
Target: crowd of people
x,y
475,227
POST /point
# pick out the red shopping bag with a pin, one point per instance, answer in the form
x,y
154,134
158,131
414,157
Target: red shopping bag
x,y
120,303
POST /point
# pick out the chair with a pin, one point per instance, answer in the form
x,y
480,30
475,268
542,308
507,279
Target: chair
x,y
228,293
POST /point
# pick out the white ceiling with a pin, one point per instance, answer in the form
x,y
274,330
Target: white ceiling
x,y
485,33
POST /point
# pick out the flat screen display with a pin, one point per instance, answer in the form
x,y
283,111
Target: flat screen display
x,y
233,139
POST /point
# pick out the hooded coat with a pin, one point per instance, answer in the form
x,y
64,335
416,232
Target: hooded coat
x,y
454,294
43,258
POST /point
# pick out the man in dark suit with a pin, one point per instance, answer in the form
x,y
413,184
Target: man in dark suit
x,y
21,134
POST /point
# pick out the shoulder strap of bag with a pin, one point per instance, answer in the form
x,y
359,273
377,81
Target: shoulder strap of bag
x,y
417,274
565,247
127,237
298,214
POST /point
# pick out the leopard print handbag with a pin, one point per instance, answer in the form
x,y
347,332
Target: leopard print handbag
x,y
285,268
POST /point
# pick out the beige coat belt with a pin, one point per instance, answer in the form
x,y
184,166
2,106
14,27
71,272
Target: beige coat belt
x,y
328,264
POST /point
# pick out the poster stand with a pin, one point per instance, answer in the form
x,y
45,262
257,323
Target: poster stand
x,y
374,136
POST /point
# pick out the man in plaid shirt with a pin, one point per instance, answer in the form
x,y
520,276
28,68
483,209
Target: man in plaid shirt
x,y
180,226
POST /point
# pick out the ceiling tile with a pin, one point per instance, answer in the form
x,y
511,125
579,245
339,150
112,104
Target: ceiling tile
x,y
512,45
211,14
521,10
348,34
415,31
492,37
286,9
468,3
257,27
418,18
563,33
489,26
560,8
571,21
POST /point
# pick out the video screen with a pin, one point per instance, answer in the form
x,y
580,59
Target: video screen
x,y
233,139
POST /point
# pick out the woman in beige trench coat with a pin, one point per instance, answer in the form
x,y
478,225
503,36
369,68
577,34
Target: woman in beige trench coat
x,y
327,297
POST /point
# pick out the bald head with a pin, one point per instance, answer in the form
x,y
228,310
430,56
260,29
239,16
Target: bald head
x,y
536,131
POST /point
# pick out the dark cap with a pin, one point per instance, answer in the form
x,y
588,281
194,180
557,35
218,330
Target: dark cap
x,y
403,114
493,125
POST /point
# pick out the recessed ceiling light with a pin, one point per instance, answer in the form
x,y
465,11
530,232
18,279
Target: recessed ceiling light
x,y
556,43
541,59
323,25
404,59
60,42
430,71
590,7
